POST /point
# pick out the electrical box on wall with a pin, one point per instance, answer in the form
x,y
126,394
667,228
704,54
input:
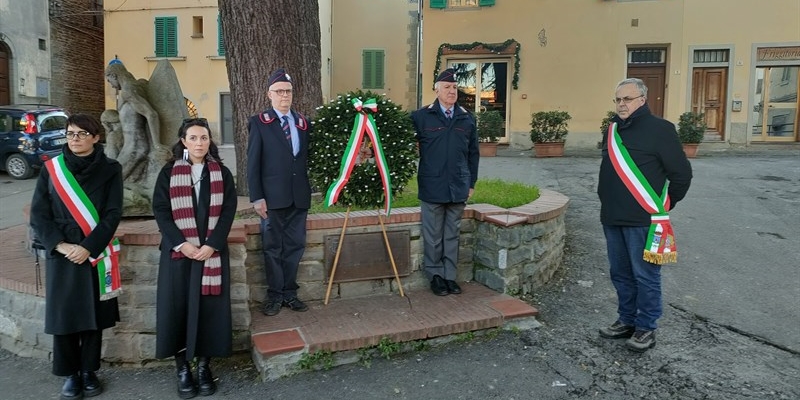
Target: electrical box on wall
x,y
736,106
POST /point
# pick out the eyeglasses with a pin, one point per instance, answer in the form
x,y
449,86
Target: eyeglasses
x,y
626,100
195,121
80,135
282,92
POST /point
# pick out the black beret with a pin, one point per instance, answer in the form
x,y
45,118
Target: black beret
x,y
448,75
279,75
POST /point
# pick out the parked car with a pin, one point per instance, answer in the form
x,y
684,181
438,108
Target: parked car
x,y
30,134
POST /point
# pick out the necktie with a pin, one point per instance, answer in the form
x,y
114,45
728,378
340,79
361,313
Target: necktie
x,y
448,113
286,130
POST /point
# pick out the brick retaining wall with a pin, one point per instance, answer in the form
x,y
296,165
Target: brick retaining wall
x,y
509,250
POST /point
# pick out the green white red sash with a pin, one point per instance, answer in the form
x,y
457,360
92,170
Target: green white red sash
x,y
85,214
660,247
363,123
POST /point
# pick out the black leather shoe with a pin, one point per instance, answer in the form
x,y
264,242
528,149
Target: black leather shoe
x,y
72,389
439,286
295,304
205,379
91,385
272,307
186,387
452,287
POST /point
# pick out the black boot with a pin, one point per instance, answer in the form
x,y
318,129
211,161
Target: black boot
x,y
91,385
73,388
205,378
186,387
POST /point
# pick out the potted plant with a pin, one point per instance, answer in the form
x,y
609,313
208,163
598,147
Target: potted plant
x,y
490,128
604,124
691,130
548,132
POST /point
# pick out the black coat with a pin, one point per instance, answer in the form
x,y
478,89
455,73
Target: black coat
x,y
654,147
448,154
273,172
184,317
72,291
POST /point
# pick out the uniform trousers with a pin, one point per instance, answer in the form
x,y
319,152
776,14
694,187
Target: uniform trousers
x,y
441,226
283,236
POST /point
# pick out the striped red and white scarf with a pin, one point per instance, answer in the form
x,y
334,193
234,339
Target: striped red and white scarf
x,y
180,194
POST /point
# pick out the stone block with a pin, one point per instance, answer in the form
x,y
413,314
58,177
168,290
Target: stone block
x,y
240,316
140,295
363,288
509,237
255,259
490,280
8,325
238,274
144,255
310,291
311,271
139,273
29,330
146,347
240,292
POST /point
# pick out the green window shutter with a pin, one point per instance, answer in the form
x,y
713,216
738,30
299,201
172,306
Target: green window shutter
x,y
220,40
366,68
378,71
372,69
438,3
166,34
486,3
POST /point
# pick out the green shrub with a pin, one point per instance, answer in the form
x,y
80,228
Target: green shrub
x,y
549,126
490,125
691,127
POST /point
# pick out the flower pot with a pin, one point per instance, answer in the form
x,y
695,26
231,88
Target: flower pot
x,y
690,149
550,149
488,149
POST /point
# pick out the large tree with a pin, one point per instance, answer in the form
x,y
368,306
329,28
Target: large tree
x,y
259,37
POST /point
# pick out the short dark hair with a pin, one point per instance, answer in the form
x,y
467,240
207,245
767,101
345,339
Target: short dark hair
x,y
85,122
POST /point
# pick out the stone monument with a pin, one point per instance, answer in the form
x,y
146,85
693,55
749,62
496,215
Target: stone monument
x,y
143,128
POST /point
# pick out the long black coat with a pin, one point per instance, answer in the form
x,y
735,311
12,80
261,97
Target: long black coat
x,y
72,291
184,317
448,154
273,172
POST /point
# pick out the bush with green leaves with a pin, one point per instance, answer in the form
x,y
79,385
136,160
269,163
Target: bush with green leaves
x,y
691,127
332,127
549,126
490,125
606,122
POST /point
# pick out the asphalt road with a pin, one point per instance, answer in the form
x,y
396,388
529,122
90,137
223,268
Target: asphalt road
x,y
730,330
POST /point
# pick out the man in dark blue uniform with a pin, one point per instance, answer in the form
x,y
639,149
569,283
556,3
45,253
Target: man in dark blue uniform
x,y
277,175
448,170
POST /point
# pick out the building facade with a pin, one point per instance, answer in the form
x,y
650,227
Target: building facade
x,y
24,52
737,65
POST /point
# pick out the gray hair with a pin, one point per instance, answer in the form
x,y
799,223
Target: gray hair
x,y
633,81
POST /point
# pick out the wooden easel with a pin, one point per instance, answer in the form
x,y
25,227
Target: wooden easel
x,y
339,249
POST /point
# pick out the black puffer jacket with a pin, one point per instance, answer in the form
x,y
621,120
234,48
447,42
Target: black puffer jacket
x,y
654,146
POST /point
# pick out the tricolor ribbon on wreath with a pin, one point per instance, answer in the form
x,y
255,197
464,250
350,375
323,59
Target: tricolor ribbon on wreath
x,y
363,124
87,217
660,247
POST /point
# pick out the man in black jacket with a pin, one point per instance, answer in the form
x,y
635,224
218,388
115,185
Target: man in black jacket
x,y
641,157
277,176
448,170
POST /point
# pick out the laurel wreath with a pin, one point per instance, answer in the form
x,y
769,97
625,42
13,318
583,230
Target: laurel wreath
x,y
332,127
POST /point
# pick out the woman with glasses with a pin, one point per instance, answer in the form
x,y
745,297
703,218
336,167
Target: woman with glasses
x,y
75,211
194,203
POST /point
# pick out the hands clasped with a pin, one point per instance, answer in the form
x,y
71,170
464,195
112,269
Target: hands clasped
x,y
200,254
73,252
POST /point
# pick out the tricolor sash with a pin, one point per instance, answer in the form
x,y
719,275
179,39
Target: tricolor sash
x,y
363,124
85,214
660,245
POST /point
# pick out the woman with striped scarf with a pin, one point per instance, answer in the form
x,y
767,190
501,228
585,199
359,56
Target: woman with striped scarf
x,y
194,203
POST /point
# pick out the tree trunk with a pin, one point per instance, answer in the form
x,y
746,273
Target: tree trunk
x,y
261,36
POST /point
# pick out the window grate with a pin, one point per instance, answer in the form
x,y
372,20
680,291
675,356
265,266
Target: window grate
x,y
647,56
710,56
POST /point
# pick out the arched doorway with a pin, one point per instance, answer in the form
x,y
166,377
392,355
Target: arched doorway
x,y
5,80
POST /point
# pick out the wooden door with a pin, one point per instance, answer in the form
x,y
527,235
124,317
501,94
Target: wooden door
x,y
655,79
5,92
708,97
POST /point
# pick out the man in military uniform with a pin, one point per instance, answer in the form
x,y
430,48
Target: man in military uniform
x,y
448,170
